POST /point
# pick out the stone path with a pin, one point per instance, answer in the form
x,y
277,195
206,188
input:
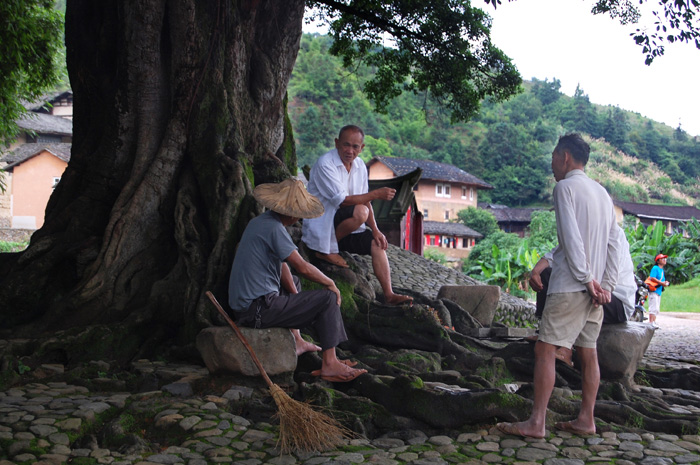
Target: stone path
x,y
678,338
52,423
39,423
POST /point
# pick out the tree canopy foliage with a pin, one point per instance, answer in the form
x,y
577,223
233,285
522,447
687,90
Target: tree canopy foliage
x,y
480,220
438,49
29,57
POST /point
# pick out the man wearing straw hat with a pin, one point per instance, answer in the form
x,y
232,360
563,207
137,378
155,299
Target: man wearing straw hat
x,y
339,180
262,291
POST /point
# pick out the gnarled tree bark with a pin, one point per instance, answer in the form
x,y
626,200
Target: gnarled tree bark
x,y
179,111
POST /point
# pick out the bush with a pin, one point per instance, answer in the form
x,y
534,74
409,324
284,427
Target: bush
x,y
435,256
6,247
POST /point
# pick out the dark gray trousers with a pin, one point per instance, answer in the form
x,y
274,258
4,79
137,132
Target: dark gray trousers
x,y
317,309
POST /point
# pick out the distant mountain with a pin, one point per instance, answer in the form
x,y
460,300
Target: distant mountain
x,y
508,145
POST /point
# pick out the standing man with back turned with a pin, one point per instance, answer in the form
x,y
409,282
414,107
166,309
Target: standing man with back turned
x,y
584,273
339,180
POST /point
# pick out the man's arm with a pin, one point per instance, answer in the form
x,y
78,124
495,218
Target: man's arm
x,y
383,193
286,280
614,256
312,273
378,236
535,278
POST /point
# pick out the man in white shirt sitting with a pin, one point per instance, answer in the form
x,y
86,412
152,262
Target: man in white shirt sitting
x,y
339,180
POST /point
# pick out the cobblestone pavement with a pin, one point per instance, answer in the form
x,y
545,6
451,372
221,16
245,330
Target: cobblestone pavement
x,y
39,424
38,421
678,338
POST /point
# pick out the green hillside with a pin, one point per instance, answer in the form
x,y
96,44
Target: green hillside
x,y
508,145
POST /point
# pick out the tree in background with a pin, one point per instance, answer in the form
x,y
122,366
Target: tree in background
x,y
616,128
480,220
29,58
543,231
517,167
580,115
547,92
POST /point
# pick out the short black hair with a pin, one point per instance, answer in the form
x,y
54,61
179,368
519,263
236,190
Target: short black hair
x,y
575,145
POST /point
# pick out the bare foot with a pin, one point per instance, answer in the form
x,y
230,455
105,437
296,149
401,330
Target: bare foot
x,y
398,299
305,346
523,429
574,427
340,372
333,258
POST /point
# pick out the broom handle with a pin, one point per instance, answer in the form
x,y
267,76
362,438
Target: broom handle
x,y
240,336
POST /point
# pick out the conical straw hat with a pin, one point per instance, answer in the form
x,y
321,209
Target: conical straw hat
x,y
289,198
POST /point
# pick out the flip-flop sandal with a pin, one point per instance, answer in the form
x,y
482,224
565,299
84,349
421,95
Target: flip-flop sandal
x,y
336,260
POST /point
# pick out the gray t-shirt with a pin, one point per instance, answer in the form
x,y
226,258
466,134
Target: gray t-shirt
x,y
257,267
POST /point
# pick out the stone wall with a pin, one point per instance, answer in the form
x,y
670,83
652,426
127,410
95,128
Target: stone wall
x,y
412,271
8,234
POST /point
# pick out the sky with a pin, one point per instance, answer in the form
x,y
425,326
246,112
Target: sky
x,y
562,39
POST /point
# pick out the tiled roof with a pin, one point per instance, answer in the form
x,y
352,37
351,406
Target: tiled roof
x,y
659,212
508,214
432,170
41,103
450,229
26,151
42,123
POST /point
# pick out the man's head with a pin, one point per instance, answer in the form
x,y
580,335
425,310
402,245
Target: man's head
x,y
661,259
350,142
290,199
570,153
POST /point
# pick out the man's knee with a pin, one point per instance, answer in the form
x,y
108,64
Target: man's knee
x,y
361,213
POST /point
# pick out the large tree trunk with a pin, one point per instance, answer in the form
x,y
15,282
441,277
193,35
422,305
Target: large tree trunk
x,y
179,111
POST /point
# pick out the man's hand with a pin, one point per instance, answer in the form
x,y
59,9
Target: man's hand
x,y
599,295
380,239
536,280
536,274
332,287
384,193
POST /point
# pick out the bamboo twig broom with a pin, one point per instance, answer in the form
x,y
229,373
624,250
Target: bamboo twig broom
x,y
301,427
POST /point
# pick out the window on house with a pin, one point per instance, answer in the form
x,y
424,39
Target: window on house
x,y
464,192
55,182
471,193
447,214
442,190
47,139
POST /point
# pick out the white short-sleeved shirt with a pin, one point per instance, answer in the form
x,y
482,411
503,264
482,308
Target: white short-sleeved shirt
x,y
331,182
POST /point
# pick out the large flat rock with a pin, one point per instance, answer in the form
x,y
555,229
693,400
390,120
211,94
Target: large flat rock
x,y
480,302
224,353
620,349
